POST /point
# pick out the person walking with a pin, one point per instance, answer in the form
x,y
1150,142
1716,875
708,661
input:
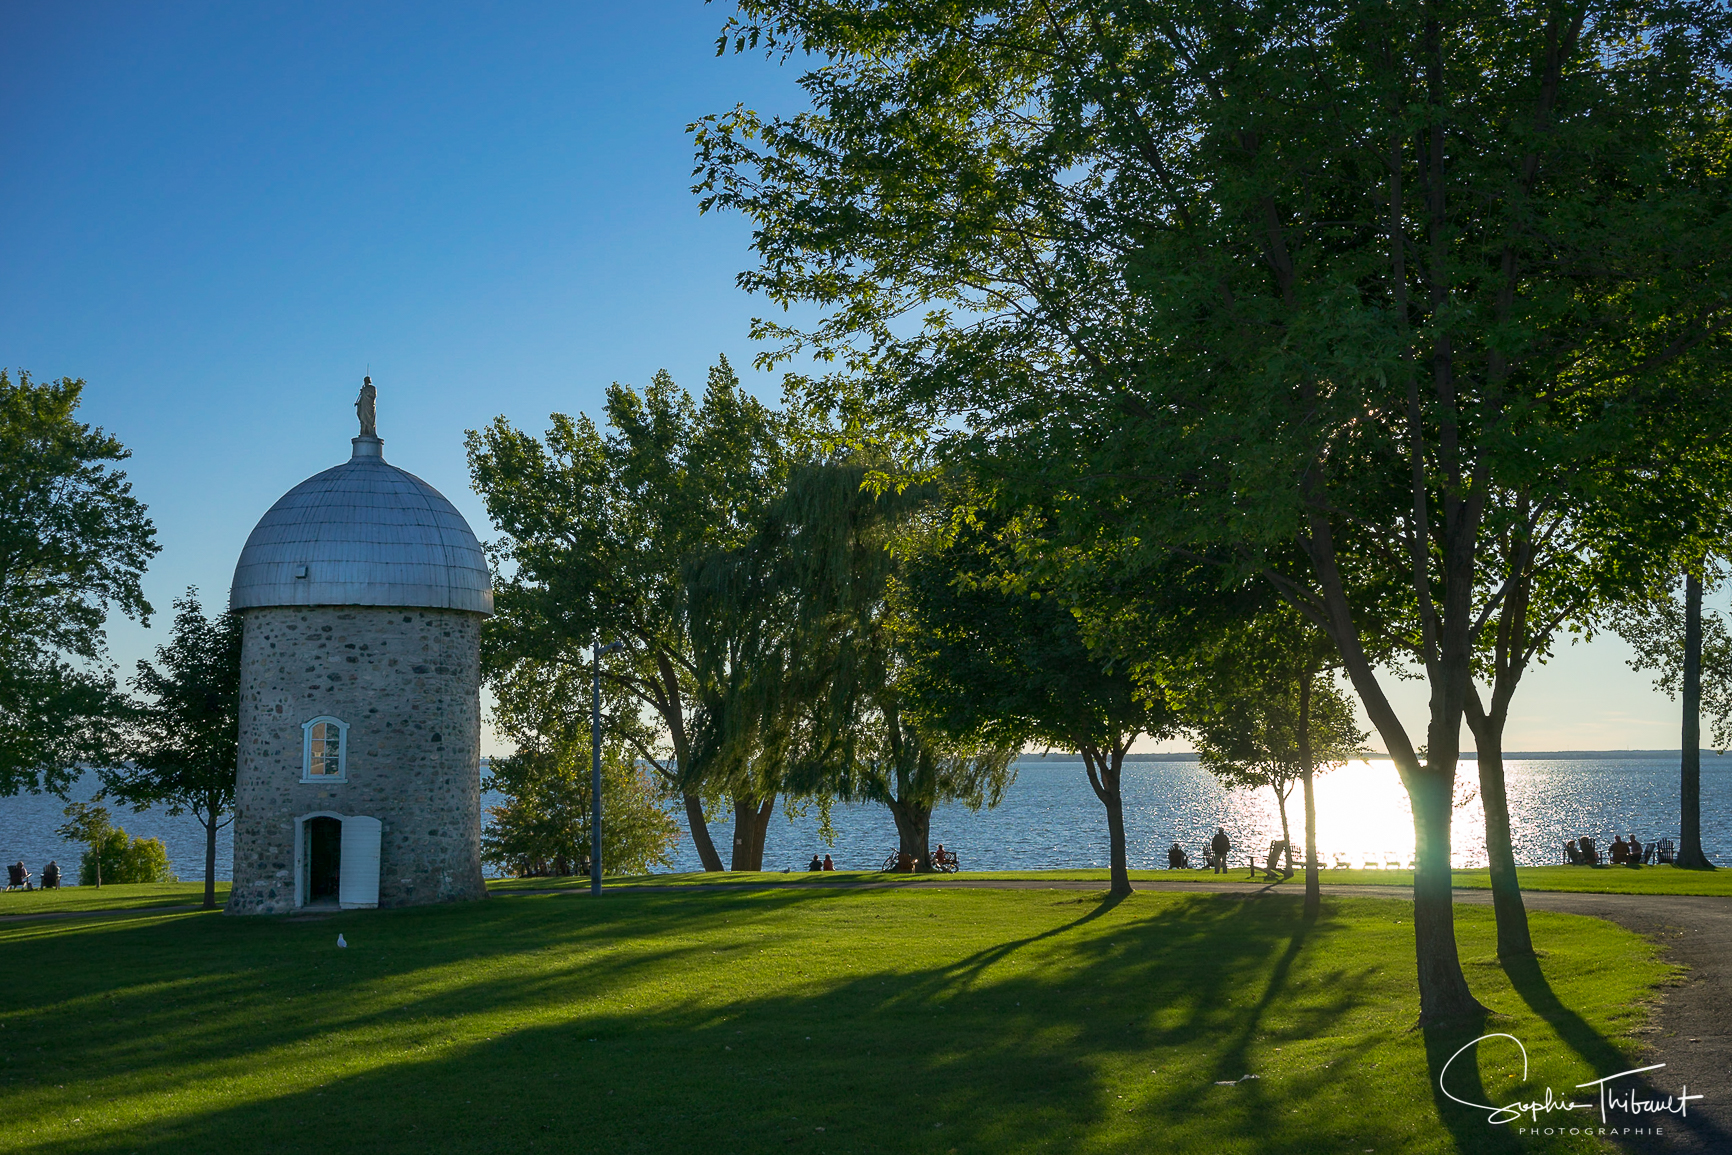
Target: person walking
x,y
1221,844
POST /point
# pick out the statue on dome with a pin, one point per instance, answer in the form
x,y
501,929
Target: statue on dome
x,y
364,408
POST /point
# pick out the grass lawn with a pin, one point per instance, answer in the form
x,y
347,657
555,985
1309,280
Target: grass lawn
x,y
114,896
790,1019
1582,879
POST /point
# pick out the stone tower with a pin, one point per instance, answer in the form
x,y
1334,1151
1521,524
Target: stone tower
x,y
362,592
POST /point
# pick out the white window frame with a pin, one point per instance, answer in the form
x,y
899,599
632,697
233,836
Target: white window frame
x,y
342,774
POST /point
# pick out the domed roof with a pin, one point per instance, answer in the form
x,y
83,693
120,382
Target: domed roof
x,y
363,534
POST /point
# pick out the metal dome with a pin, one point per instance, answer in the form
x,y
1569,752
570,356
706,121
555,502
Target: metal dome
x,y
363,534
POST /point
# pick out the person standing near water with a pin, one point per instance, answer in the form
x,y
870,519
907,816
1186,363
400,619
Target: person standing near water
x,y
1221,845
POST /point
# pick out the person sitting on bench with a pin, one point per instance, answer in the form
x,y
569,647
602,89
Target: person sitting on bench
x,y
51,876
18,876
1572,855
1176,858
1633,851
1619,854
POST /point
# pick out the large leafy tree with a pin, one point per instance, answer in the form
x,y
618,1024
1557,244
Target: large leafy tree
x,y
998,655
1303,292
184,740
835,705
1264,710
603,534
74,543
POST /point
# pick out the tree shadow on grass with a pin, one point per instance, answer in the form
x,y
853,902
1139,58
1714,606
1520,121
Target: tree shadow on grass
x,y
1603,1057
467,1029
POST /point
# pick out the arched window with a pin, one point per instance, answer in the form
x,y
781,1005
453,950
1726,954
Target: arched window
x,y
324,750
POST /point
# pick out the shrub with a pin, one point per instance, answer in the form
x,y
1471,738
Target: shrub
x,y
126,859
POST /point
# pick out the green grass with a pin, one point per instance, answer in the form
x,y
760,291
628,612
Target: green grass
x,y
788,1019
1580,879
115,896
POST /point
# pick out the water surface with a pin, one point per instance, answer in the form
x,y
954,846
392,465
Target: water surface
x,y
1051,818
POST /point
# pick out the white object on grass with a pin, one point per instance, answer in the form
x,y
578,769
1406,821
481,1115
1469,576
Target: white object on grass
x,y
341,942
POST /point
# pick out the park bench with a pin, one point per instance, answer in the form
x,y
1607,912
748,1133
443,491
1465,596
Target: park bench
x,y
944,862
1667,852
17,878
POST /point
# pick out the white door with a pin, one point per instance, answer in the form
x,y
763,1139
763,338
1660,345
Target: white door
x,y
358,884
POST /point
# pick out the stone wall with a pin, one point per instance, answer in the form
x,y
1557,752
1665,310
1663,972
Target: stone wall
x,y
407,682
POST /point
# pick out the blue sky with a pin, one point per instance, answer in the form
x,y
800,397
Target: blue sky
x,y
221,216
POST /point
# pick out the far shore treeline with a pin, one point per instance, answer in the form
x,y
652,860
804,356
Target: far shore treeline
x,y
1167,376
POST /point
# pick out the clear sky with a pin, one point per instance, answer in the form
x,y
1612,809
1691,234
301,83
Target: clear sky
x,y
221,216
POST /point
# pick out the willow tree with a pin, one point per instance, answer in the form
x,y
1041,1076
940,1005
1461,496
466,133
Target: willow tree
x,y
818,661
1292,290
602,534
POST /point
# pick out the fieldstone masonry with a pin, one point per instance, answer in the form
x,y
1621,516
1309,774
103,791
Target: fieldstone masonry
x,y
407,681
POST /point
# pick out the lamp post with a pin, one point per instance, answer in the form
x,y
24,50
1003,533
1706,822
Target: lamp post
x,y
595,771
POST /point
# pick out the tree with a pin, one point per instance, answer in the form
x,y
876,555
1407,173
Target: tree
x,y
832,705
1264,712
74,543
1294,292
122,859
184,743
603,533
999,658
1679,642
89,824
543,826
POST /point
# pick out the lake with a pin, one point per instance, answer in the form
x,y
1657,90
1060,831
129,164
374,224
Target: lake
x,y
1051,818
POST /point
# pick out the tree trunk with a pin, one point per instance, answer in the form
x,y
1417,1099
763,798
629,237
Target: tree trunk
x,y
1307,771
210,832
751,822
1513,939
1286,834
1443,990
1690,855
914,832
1104,775
700,829
1313,885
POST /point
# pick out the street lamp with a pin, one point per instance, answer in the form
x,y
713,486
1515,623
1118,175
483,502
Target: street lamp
x,y
595,771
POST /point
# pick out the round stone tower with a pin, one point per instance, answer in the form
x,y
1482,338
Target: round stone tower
x,y
362,593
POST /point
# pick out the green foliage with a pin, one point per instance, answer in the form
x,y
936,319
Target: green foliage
x,y
123,859
603,533
73,545
89,824
1263,708
1654,627
543,827
999,654
822,684
185,735
1369,304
